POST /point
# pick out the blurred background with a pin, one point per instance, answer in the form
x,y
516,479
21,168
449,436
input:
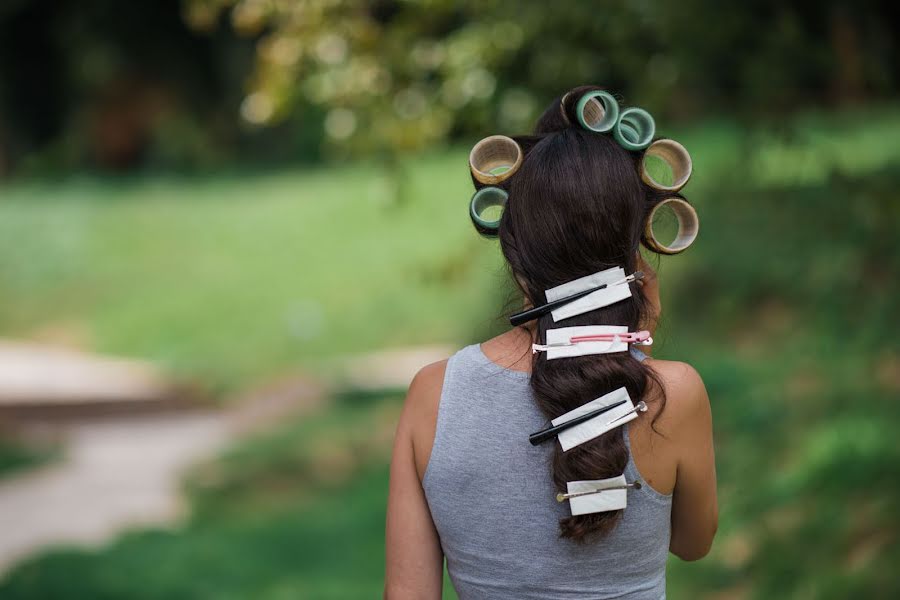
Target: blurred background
x,y
231,230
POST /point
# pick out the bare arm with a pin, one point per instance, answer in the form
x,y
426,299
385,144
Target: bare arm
x,y
695,510
414,560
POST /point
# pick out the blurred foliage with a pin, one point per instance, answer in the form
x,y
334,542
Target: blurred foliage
x,y
91,85
785,305
803,381
401,75
191,84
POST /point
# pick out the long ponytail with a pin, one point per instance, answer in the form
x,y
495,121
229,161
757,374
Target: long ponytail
x,y
577,206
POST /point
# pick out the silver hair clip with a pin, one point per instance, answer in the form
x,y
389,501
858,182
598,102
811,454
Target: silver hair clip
x,y
586,497
560,497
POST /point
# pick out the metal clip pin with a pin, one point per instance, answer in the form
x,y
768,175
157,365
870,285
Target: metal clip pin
x,y
563,497
639,407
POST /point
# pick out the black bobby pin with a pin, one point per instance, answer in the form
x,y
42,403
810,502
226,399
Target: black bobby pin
x,y
539,311
546,434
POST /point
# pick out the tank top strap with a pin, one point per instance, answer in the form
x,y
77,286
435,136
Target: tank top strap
x,y
637,353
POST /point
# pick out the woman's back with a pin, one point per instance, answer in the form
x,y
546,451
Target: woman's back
x,y
576,206
493,502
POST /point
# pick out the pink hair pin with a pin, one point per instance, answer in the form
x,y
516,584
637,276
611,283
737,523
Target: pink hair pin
x,y
615,341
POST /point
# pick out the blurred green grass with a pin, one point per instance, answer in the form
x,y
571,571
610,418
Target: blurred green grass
x,y
233,277
785,305
17,454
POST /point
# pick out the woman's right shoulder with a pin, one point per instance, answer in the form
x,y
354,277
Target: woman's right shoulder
x,y
422,403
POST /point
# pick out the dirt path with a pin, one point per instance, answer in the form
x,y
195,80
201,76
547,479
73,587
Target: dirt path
x,y
114,474
126,472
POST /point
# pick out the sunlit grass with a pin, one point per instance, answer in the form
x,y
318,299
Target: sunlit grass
x,y
231,278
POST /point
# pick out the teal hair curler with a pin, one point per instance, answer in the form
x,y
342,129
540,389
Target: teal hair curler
x,y
597,111
483,200
635,129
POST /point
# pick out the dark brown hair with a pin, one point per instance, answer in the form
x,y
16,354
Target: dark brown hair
x,y
576,206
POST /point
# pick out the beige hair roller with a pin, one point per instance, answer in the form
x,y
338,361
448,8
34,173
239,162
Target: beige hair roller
x,y
676,158
562,108
688,226
493,153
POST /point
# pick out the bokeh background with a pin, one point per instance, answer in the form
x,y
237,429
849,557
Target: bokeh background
x,y
229,230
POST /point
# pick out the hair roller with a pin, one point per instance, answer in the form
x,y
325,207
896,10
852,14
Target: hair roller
x,y
635,129
688,226
676,158
492,154
597,111
562,108
482,201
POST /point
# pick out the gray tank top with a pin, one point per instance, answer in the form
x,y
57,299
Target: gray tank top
x,y
494,506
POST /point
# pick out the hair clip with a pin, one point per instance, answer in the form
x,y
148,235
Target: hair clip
x,y
688,227
621,411
586,497
567,293
590,339
582,424
492,154
543,435
633,337
560,497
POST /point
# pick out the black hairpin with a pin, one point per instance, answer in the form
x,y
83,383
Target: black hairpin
x,y
546,434
539,311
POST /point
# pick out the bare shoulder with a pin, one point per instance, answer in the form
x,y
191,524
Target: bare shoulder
x,y
421,409
686,397
428,380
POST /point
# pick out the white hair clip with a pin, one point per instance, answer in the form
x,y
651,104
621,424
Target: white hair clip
x,y
581,295
591,420
616,289
565,342
600,495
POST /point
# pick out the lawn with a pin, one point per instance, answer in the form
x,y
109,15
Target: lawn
x,y
786,306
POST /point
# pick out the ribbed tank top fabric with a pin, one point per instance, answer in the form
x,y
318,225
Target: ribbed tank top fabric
x,y
494,505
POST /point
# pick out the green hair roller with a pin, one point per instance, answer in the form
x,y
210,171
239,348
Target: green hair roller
x,y
635,129
597,111
484,199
